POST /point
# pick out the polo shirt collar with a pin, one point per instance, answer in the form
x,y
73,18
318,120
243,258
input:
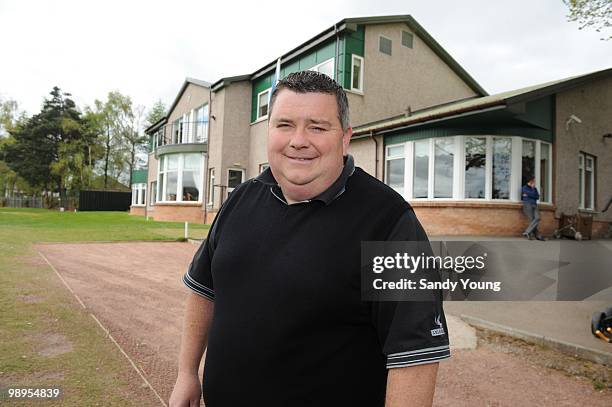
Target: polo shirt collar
x,y
334,191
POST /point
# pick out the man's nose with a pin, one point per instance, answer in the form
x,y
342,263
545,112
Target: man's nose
x,y
299,139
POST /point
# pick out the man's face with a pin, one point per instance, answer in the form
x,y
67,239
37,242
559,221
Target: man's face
x,y
306,143
531,183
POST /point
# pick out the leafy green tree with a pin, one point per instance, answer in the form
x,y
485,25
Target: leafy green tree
x,y
156,113
591,13
39,142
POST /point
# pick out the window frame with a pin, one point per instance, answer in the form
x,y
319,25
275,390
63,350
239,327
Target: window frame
x,y
203,125
211,186
582,165
380,37
162,172
258,117
243,175
458,182
361,72
320,64
411,39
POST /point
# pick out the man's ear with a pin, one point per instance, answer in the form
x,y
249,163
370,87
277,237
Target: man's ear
x,y
346,139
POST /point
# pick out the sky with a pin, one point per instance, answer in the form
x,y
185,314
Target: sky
x,y
145,49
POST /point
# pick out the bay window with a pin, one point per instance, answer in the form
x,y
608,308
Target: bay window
x,y
180,178
474,167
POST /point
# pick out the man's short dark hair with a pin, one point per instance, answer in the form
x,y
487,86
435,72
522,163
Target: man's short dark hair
x,y
314,82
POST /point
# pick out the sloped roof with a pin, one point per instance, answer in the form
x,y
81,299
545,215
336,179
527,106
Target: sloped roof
x,y
479,104
351,23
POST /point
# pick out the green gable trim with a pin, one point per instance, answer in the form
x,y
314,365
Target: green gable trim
x,y
527,132
348,44
139,177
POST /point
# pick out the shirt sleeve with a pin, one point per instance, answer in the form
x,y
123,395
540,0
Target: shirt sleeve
x,y
198,277
411,332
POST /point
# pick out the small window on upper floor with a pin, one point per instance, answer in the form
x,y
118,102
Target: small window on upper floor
x,y
357,74
326,67
407,39
262,104
384,45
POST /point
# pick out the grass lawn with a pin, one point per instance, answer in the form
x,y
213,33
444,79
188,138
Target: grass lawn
x,y
46,338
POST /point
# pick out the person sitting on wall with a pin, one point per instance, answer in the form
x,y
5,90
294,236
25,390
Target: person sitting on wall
x,y
530,196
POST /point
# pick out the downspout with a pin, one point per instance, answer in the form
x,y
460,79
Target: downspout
x,y
207,155
375,154
336,54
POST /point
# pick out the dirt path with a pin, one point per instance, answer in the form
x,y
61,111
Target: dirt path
x,y
135,290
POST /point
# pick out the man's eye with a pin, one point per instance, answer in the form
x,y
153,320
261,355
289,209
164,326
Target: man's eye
x,y
318,129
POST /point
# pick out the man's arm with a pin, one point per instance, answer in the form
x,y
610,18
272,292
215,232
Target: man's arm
x,y
198,315
411,386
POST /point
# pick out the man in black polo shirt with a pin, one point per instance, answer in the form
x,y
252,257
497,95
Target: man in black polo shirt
x,y
276,286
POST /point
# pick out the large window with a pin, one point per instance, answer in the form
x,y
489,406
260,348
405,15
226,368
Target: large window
x,y
357,74
179,177
139,194
475,167
326,67
586,181
502,165
201,124
262,104
443,167
475,171
395,168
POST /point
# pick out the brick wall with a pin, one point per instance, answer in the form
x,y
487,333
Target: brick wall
x,y
137,210
178,213
479,219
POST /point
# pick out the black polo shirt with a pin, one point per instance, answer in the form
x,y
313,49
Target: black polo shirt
x,y
289,326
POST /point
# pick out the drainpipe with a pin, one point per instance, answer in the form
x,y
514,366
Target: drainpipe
x,y
336,54
207,155
375,154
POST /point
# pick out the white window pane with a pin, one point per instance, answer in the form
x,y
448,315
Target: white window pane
x,y
356,73
171,181
528,161
192,161
191,188
263,104
234,178
395,174
173,162
395,151
475,160
443,167
421,168
327,68
501,163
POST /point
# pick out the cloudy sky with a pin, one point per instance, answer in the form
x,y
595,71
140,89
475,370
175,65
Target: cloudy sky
x,y
145,49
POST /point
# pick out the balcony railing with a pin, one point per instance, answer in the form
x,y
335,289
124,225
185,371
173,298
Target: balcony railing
x,y
182,133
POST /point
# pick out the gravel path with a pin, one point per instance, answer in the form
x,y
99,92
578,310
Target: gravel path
x,y
134,289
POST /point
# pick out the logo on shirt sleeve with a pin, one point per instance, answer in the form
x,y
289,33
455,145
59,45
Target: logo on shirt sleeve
x,y
440,329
